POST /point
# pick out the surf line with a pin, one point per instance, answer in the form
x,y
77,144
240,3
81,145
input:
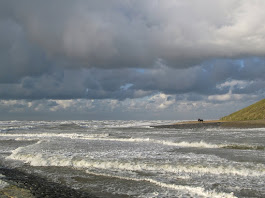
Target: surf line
x,y
193,190
104,137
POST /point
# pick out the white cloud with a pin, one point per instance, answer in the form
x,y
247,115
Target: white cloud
x,y
61,104
230,97
232,83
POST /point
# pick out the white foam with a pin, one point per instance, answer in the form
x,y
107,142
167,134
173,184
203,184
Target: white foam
x,y
3,184
104,137
178,169
38,159
200,144
122,124
59,135
195,191
25,139
106,124
12,128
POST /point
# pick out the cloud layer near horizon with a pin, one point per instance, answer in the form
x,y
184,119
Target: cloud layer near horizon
x,y
121,49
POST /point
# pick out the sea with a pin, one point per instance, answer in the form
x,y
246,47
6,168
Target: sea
x,y
121,159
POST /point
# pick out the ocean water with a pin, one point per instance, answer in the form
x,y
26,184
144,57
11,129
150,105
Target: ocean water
x,y
132,159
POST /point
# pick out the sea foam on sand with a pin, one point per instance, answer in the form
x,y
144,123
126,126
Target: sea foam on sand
x,y
3,184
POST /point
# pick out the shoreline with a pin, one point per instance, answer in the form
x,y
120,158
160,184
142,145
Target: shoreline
x,y
25,185
247,124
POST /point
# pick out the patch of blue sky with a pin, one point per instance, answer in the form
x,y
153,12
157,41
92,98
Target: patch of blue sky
x,y
126,86
241,63
140,70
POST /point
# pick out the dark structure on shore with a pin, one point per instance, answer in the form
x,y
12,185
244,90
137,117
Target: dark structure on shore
x,y
200,120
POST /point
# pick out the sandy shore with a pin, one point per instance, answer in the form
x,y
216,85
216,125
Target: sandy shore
x,y
215,124
18,184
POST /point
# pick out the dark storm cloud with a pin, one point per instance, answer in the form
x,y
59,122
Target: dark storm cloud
x,y
18,57
66,49
120,84
123,33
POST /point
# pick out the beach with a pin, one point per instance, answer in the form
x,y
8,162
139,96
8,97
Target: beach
x,y
248,124
19,184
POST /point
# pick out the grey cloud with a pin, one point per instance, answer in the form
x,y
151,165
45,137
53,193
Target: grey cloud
x,y
199,81
116,34
18,57
93,49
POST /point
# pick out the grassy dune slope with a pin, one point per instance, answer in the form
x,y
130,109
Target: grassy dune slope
x,y
253,112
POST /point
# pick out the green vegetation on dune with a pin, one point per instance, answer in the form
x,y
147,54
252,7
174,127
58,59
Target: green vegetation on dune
x,y
253,112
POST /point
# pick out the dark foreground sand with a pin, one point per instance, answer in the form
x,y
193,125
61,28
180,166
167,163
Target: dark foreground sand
x,y
215,124
23,185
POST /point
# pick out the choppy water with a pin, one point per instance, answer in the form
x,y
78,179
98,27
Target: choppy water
x,y
132,159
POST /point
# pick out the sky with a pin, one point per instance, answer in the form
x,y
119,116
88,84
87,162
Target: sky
x,y
130,59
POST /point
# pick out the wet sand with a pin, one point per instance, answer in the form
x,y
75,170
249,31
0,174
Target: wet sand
x,y
24,185
215,124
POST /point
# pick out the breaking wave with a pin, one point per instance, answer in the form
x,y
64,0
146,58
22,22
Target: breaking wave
x,y
3,184
59,135
195,191
13,128
39,159
243,147
106,137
